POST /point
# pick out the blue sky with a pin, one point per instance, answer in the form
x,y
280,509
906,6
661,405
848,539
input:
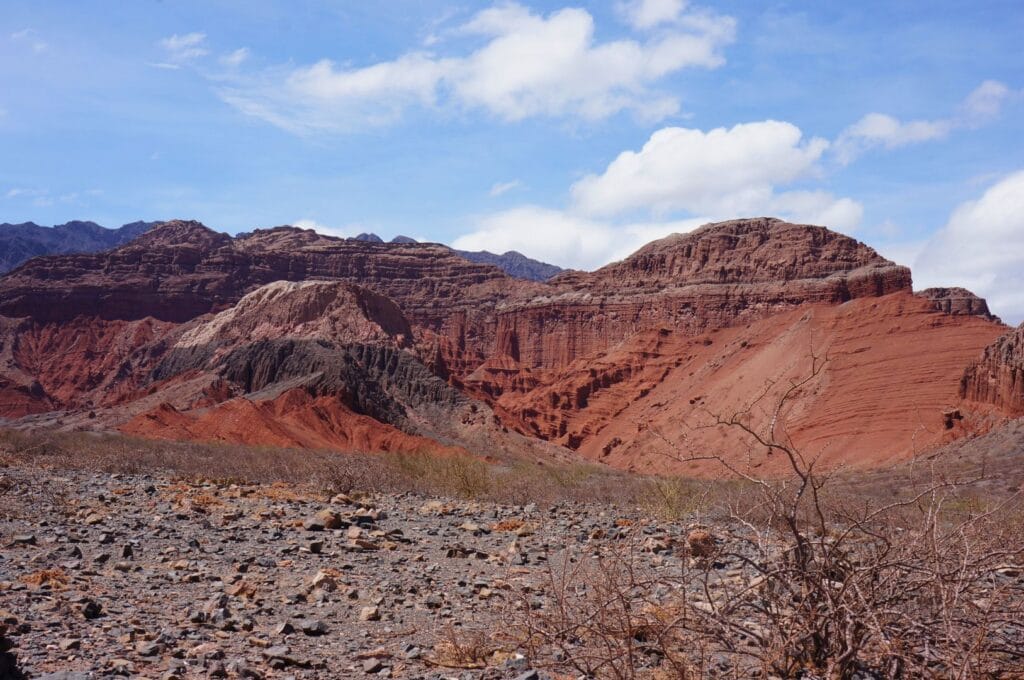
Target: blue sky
x,y
573,132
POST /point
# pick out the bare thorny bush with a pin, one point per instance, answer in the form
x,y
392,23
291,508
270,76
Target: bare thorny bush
x,y
820,586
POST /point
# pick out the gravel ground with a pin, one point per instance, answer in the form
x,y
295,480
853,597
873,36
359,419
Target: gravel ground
x,y
146,576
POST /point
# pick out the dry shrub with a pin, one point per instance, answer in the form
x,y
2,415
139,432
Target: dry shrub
x,y
461,648
56,579
927,584
603,616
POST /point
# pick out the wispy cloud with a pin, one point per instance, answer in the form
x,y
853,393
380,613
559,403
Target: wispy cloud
x,y
981,106
504,187
30,37
25,193
184,48
236,58
531,65
645,14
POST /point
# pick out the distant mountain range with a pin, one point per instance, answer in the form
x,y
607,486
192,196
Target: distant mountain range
x,y
514,264
511,262
21,242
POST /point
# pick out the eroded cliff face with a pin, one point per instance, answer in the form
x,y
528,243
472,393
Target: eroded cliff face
x,y
891,367
181,270
997,377
718,276
288,337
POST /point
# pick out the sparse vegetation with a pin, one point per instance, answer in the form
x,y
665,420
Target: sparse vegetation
x,y
923,584
832,576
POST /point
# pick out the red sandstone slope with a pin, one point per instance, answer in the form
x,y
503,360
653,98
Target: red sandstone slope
x,y
295,419
284,336
893,370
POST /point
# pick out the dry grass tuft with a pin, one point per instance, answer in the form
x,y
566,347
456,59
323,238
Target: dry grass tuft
x,y
56,579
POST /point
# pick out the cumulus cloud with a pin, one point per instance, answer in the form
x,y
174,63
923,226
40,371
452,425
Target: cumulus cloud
x,y
345,231
721,172
529,65
184,48
563,238
644,14
881,130
680,179
982,248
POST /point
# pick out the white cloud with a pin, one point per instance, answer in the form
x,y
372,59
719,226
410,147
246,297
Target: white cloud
x,y
530,65
236,58
563,238
345,231
902,252
644,14
984,104
724,171
31,38
982,249
680,179
878,129
500,188
881,130
16,192
185,48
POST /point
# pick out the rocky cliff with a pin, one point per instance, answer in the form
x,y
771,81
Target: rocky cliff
x,y
181,270
997,377
717,276
957,301
300,339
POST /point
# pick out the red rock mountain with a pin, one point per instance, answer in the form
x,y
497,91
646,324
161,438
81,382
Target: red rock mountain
x,y
997,377
286,337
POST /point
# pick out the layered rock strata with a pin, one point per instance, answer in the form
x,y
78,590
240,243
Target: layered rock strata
x,y
998,376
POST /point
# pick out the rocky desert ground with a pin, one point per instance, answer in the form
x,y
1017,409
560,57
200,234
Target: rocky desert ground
x,y
166,574
750,450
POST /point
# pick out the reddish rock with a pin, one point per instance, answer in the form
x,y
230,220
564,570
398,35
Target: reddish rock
x,y
181,270
957,301
323,342
893,372
720,275
294,419
998,376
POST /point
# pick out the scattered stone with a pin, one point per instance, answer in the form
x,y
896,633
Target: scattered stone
x,y
147,649
91,609
69,644
314,628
